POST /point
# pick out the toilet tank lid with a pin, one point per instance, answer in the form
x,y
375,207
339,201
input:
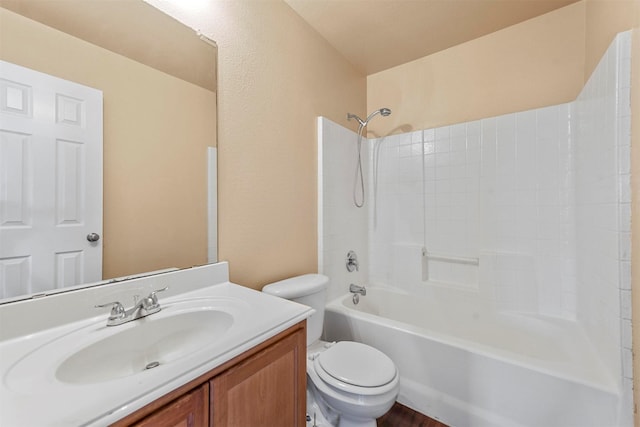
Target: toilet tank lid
x,y
297,286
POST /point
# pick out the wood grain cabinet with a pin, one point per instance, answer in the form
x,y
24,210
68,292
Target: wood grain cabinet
x,y
190,410
260,390
265,386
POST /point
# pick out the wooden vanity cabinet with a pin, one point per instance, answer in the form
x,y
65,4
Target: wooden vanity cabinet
x,y
265,386
190,410
260,390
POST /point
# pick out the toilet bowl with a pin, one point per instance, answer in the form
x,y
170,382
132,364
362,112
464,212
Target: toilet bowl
x,y
356,381
351,383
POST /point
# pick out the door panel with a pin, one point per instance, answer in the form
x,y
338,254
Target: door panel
x,y
51,181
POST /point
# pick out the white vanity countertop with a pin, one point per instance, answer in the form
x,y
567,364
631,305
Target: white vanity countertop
x,y
31,393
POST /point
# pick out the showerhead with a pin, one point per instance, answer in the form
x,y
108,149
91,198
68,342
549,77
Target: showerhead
x,y
383,112
363,123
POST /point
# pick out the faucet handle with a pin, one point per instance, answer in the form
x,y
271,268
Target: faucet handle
x,y
117,309
352,262
154,297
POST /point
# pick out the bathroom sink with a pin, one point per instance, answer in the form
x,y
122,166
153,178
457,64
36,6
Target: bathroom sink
x,y
180,334
61,364
146,344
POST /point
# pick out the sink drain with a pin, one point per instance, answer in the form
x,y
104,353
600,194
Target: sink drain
x,y
152,365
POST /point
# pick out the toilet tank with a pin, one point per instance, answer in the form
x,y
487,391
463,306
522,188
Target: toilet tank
x,y
310,290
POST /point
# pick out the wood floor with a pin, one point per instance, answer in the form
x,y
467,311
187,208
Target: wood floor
x,y
401,416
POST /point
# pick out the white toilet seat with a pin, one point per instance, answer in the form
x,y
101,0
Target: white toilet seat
x,y
357,384
356,368
359,405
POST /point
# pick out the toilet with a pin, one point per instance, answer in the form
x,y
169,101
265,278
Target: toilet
x,y
350,384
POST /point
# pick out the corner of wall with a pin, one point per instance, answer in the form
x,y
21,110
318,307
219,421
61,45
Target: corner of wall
x,y
635,207
603,20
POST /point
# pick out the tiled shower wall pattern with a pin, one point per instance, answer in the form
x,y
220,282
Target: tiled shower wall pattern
x,y
489,199
530,210
601,129
341,226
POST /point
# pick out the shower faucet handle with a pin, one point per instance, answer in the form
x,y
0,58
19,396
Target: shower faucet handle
x,y
352,262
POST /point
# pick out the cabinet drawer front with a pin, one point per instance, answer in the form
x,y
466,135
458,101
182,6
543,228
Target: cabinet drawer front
x,y
190,410
268,389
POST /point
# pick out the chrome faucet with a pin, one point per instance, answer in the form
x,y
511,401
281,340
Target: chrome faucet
x,y
352,261
355,289
146,306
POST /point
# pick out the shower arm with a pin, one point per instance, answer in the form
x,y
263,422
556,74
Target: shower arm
x,y
353,116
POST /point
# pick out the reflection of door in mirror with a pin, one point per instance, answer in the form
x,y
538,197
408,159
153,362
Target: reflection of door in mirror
x,y
159,121
51,182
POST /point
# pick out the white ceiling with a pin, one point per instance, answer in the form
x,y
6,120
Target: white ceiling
x,y
375,35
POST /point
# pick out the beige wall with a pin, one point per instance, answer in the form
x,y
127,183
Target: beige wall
x,y
538,62
542,61
275,76
604,19
156,130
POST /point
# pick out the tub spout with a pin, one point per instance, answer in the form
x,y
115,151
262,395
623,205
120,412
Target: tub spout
x,y
357,289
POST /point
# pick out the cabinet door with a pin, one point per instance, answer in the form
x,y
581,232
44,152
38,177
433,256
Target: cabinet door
x,y
268,389
190,410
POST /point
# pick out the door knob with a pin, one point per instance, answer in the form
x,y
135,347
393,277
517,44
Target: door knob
x,y
93,237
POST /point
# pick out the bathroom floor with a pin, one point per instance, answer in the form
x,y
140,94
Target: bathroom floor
x,y
401,416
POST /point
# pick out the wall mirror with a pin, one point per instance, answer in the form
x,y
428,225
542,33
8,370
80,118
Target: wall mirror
x,y
158,80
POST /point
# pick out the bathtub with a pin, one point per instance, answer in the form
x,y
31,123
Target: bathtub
x,y
466,365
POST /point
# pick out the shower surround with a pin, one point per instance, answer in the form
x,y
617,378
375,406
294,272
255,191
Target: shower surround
x,y
527,212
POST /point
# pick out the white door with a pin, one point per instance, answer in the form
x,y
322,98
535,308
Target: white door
x,y
50,182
